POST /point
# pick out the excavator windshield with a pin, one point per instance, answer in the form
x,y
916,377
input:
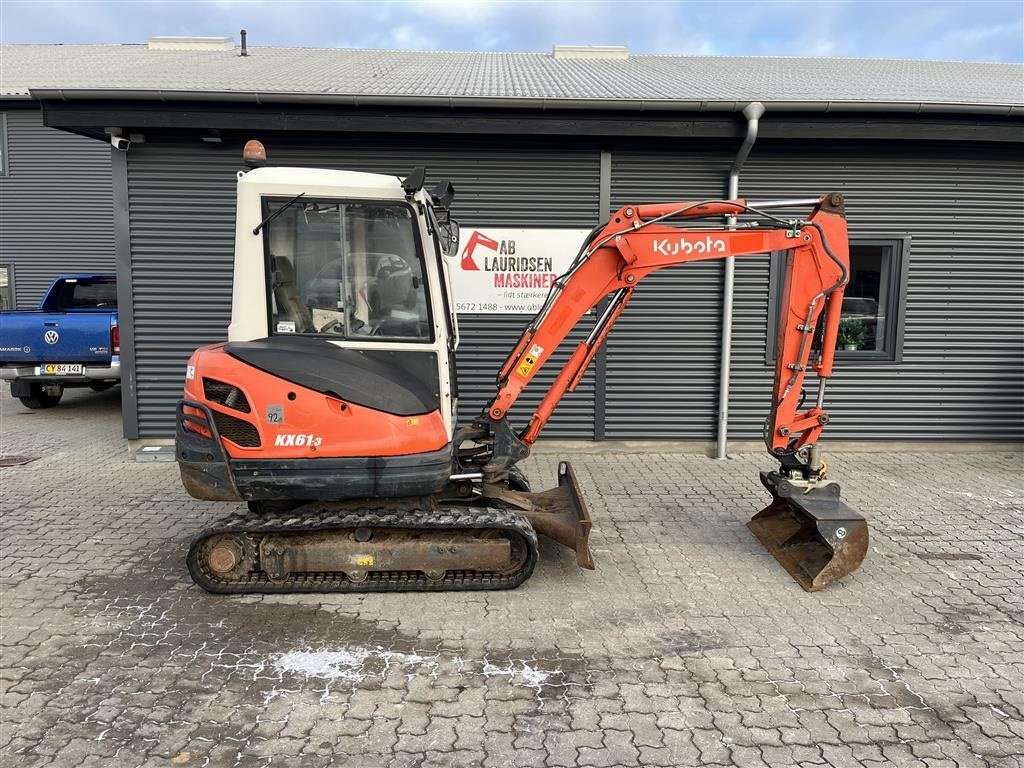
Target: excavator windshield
x,y
346,269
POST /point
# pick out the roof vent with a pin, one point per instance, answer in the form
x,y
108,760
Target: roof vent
x,y
191,44
590,52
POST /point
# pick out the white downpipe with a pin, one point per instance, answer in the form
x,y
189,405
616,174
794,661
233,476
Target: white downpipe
x,y
752,112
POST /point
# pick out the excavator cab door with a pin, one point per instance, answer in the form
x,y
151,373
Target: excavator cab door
x,y
349,258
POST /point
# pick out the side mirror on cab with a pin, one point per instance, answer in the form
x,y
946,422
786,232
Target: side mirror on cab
x,y
448,237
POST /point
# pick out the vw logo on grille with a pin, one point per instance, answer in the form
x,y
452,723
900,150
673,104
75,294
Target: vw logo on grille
x,y
51,337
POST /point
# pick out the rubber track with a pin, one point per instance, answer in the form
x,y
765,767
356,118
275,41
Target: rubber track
x,y
317,517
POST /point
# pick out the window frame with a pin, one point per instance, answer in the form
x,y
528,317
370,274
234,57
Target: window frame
x,y
266,200
12,291
895,308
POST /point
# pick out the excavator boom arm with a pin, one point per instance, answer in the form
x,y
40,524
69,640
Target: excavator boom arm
x,y
638,240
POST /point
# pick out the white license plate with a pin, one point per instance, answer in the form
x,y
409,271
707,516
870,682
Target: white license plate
x,y
60,369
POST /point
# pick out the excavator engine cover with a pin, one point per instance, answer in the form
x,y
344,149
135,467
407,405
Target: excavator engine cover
x,y
813,534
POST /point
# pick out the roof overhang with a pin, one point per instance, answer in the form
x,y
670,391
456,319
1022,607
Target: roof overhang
x,y
524,103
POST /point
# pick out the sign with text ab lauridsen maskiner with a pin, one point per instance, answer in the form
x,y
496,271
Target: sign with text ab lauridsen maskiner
x,y
510,271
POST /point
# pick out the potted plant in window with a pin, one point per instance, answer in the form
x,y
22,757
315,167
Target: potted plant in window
x,y
853,332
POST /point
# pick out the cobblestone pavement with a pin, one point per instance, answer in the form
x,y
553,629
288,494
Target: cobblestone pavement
x,y
688,646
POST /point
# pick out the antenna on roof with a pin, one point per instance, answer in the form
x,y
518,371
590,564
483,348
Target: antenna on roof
x,y
242,35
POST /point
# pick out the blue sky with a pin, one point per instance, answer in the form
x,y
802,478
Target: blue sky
x,y
930,29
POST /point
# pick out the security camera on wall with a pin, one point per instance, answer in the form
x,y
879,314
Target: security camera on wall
x,y
119,142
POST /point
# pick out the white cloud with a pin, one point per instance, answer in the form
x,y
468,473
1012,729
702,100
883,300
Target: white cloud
x,y
948,29
461,12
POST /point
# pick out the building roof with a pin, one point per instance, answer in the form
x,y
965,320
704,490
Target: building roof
x,y
531,80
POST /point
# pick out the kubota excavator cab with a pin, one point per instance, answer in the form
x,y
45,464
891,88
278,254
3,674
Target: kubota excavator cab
x,y
331,407
341,323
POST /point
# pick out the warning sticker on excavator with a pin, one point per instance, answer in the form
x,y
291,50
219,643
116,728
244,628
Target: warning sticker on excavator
x,y
364,561
529,360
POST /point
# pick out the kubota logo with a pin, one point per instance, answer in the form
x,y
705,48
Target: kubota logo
x,y
668,247
298,441
477,238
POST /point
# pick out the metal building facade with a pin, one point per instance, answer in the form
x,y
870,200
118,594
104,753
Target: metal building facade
x,y
181,212
961,204
56,207
961,372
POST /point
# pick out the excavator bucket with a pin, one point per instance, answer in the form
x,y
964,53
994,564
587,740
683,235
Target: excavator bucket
x,y
814,535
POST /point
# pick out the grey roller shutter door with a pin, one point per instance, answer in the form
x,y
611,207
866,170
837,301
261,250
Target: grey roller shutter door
x,y
56,204
182,233
962,369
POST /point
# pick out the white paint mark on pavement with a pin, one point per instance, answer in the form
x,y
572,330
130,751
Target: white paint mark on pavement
x,y
353,664
330,665
524,674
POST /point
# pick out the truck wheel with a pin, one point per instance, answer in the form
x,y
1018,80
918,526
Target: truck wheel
x,y
101,386
39,398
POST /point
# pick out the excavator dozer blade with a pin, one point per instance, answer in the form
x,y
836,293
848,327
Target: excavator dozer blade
x,y
559,513
816,537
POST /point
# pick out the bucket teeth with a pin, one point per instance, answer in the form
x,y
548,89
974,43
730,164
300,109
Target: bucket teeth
x,y
814,535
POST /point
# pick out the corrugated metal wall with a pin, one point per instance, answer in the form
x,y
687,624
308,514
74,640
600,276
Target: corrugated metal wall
x,y
663,353
962,370
182,234
56,204
181,214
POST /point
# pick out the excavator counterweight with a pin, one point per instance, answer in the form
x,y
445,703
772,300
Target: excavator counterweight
x,y
332,408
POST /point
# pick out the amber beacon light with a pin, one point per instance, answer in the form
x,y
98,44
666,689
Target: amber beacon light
x,y
254,154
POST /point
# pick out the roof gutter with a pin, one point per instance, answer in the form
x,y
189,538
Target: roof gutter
x,y
517,102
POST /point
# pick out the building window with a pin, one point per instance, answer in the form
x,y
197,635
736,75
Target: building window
x,y
871,324
6,286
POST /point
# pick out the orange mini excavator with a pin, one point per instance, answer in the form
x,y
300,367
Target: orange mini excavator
x,y
331,409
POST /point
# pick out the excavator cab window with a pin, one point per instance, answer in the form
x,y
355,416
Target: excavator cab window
x,y
346,269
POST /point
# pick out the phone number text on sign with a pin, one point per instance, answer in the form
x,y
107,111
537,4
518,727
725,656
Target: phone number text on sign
x,y
510,271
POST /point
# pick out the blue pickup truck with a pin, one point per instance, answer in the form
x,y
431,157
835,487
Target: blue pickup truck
x,y
70,340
